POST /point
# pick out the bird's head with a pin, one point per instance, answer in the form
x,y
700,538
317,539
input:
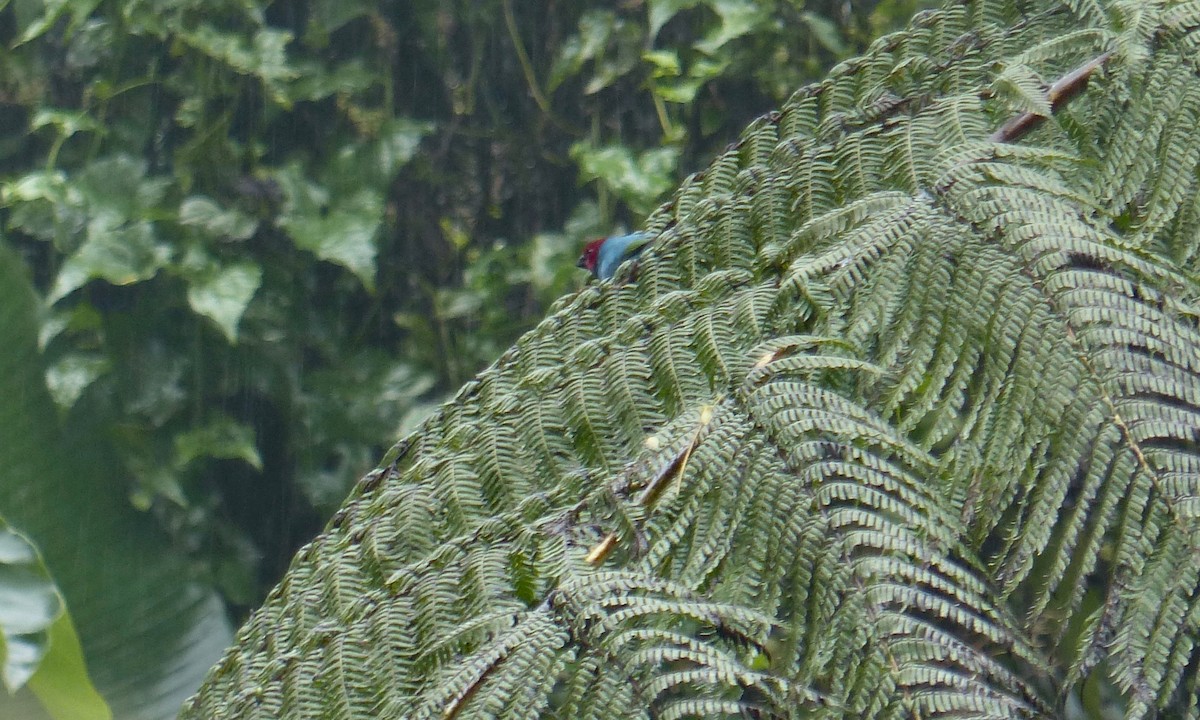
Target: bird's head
x,y
591,255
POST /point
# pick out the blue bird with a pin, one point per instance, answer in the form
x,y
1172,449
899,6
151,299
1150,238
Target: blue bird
x,y
603,256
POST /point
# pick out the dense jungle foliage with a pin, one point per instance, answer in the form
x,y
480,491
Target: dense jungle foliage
x,y
257,242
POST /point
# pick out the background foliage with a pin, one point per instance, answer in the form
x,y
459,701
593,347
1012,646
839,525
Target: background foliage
x,y
266,237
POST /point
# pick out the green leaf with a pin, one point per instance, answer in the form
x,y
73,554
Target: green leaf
x,y
47,207
699,72
150,632
202,212
639,179
39,643
316,80
65,122
661,11
345,235
122,255
326,16
351,410
79,10
38,185
222,437
154,481
360,167
71,374
398,142
826,32
109,203
118,185
223,296
263,56
29,605
595,29
303,196
738,18
61,681
666,63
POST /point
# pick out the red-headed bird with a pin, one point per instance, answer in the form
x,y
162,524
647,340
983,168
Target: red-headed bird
x,y
603,256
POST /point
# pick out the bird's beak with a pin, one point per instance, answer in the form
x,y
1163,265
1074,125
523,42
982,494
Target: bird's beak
x,y
582,262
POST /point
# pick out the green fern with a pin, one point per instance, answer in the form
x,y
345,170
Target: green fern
x,y
898,417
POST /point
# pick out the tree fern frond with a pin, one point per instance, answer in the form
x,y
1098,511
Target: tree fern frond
x,y
1024,89
895,418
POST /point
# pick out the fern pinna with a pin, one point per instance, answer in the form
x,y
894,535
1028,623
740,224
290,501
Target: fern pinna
x,y
897,417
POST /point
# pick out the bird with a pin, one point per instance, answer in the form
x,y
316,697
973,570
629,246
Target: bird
x,y
603,256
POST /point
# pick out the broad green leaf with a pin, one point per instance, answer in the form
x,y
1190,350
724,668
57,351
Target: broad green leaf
x,y
71,374
345,235
661,11
66,122
640,179
90,45
52,11
29,605
317,80
738,18
826,32
37,639
120,254
623,59
149,631
39,185
61,681
665,62
155,482
595,29
120,185
223,296
684,90
48,207
116,197
398,142
303,196
202,212
263,56
371,167
325,16
81,317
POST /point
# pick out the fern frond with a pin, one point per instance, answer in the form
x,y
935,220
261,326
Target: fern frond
x,y
896,418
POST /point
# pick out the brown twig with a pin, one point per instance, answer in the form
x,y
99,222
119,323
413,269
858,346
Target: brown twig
x,y
649,496
1065,89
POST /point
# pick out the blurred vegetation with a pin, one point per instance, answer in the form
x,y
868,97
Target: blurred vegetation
x,y
261,240
268,237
